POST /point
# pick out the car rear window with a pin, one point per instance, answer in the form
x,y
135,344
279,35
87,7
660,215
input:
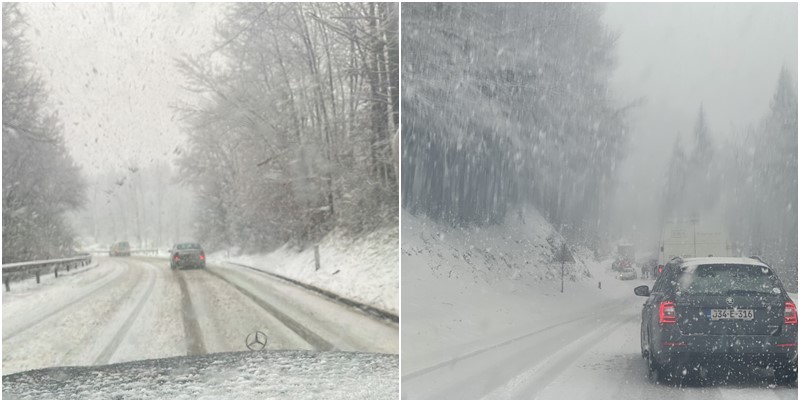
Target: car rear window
x,y
188,246
724,279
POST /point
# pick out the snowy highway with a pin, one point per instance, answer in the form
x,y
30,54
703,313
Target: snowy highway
x,y
588,354
127,309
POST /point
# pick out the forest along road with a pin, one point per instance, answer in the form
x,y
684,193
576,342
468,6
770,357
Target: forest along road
x,y
591,355
137,308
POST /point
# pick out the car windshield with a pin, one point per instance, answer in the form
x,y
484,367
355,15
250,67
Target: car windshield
x,y
726,279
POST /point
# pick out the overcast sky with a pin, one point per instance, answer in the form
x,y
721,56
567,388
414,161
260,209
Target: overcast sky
x,y
112,74
677,56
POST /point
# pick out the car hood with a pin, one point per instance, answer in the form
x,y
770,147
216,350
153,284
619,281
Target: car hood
x,y
234,375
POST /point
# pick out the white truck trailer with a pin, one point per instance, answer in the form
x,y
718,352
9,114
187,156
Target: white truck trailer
x,y
692,238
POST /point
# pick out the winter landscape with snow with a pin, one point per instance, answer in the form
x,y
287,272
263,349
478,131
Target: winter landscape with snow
x,y
200,201
557,156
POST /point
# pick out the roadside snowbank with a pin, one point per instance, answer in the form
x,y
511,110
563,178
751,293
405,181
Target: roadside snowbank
x,y
466,289
364,269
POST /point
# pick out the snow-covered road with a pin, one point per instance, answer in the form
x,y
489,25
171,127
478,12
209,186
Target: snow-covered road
x,y
127,309
588,354
484,317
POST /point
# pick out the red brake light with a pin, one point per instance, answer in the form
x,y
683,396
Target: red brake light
x,y
666,313
177,257
660,268
202,256
790,313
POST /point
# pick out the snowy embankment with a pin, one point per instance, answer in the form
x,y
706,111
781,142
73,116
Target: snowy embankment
x,y
468,289
364,270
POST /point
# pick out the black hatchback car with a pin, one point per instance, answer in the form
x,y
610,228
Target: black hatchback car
x,y
707,313
186,255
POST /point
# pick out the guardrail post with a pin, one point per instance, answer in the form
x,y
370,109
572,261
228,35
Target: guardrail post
x,y
67,267
5,282
316,257
37,277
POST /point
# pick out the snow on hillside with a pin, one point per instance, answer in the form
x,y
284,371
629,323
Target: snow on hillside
x,y
524,249
364,269
465,289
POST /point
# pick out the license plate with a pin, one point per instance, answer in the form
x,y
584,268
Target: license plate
x,y
717,314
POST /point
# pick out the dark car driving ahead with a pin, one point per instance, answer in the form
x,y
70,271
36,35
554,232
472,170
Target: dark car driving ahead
x,y
187,255
709,313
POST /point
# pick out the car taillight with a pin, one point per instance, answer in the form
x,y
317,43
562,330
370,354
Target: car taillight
x,y
177,257
202,256
666,313
660,268
790,313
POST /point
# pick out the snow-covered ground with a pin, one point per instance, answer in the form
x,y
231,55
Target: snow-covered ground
x,y
134,308
483,316
464,288
364,269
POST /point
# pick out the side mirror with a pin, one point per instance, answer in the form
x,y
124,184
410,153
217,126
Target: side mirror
x,y
643,290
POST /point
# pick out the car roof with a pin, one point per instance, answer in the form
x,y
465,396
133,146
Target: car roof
x,y
722,261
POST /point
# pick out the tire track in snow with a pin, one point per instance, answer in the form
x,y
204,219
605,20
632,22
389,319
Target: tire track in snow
x,y
81,352
195,344
113,344
56,311
451,362
301,330
551,363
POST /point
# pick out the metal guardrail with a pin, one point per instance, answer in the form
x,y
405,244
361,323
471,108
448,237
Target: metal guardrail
x,y
23,270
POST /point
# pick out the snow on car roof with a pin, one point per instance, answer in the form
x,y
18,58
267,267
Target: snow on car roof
x,y
722,260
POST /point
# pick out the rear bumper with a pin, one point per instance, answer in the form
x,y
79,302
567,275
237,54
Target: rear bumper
x,y
730,360
752,350
188,264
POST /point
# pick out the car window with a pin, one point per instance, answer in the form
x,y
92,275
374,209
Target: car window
x,y
725,279
188,246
